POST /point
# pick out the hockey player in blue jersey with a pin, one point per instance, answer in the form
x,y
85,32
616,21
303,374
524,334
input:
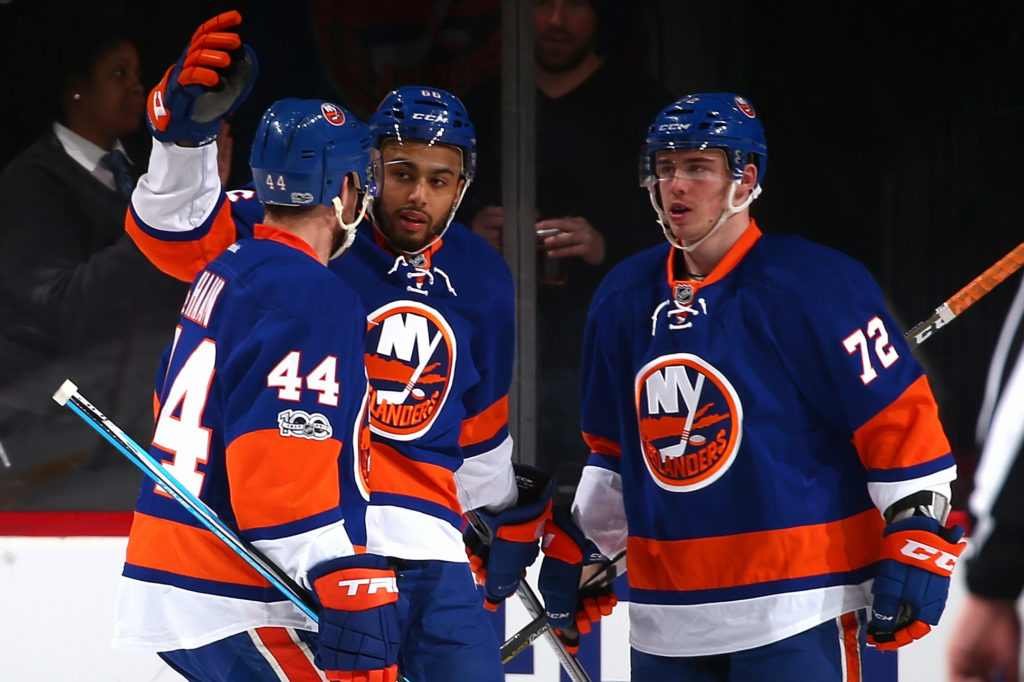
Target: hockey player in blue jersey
x,y
763,444
439,352
262,413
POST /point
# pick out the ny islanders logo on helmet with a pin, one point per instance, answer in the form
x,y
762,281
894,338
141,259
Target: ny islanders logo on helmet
x,y
690,421
334,114
410,361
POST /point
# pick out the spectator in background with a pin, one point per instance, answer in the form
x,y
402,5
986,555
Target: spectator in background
x,y
77,299
986,640
593,108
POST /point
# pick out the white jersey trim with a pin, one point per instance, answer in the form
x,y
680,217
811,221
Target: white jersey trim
x,y
599,511
696,630
885,494
487,479
297,554
157,617
181,188
408,534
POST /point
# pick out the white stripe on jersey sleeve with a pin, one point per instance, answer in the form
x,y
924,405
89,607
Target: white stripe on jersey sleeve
x,y
487,479
297,554
599,511
180,189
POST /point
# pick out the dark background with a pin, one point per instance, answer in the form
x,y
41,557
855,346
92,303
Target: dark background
x,y
894,130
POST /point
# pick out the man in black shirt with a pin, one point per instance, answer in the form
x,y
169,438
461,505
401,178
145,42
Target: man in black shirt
x,y
592,112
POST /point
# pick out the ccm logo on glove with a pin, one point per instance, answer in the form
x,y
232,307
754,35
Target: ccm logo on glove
x,y
922,551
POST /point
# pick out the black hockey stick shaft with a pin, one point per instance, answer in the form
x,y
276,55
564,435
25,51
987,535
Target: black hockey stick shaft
x,y
605,575
535,608
968,296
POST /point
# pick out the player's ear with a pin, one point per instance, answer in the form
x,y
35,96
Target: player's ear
x,y
748,181
349,198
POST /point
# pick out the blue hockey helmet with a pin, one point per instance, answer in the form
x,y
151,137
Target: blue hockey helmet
x,y
721,120
303,149
434,116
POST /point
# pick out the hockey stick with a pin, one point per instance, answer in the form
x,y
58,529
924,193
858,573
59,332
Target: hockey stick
x,y
605,575
968,296
533,605
68,395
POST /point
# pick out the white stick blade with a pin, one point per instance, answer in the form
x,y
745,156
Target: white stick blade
x,y
64,393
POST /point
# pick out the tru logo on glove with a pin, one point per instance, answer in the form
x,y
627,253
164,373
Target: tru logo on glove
x,y
373,585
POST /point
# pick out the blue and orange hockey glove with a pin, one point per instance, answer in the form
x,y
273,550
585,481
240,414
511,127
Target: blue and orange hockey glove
x,y
571,609
209,81
512,540
359,634
912,583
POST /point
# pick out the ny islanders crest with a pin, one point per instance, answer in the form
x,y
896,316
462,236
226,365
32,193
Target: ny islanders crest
x,y
690,421
410,362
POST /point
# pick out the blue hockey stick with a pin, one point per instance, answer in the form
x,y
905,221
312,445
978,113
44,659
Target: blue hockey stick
x,y
68,395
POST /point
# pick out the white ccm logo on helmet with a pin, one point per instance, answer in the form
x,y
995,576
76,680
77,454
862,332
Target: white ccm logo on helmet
x,y
431,118
373,585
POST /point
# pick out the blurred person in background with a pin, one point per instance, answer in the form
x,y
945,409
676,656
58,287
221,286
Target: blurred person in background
x,y
77,299
987,639
592,110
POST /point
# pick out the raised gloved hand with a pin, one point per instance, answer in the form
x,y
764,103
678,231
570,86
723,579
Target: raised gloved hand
x,y
500,559
359,633
912,583
570,608
209,81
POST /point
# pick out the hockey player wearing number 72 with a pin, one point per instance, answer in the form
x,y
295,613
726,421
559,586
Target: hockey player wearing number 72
x,y
763,444
438,353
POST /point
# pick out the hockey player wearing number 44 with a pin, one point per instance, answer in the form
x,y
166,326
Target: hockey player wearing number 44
x,y
438,354
262,414
763,444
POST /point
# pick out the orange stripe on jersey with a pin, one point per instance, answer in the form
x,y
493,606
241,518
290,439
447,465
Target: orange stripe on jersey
x,y
602,446
291,656
484,425
850,646
906,433
391,472
184,259
186,550
752,558
276,479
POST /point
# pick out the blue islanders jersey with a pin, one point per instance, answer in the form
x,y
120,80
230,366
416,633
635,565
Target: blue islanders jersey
x,y
262,414
746,430
439,351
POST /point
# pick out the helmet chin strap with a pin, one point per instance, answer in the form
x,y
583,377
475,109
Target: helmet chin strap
x,y
729,212
350,228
